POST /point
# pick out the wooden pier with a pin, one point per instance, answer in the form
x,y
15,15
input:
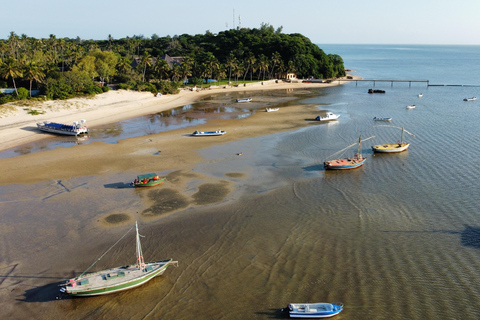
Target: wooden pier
x,y
427,82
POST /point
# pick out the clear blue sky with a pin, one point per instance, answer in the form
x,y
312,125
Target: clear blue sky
x,y
323,21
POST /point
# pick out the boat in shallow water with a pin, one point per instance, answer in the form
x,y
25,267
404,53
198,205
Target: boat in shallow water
x,y
243,100
66,129
119,278
400,146
347,163
470,99
382,119
329,116
313,310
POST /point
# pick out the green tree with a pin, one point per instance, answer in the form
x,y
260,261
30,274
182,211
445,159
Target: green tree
x,y
33,71
11,69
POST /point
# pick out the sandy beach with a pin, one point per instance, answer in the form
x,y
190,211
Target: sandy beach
x,y
18,127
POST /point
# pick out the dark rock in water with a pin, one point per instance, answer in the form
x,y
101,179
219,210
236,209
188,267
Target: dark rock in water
x,y
375,91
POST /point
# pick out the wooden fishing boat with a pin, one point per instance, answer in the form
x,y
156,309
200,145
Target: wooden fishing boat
x,y
271,109
243,100
347,163
66,129
382,119
313,310
208,133
119,278
400,146
148,180
328,116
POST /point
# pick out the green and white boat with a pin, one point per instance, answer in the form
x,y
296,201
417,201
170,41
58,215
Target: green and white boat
x,y
148,180
116,279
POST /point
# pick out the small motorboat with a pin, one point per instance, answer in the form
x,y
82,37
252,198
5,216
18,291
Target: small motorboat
x,y
420,95
329,116
148,180
411,107
271,109
470,99
382,119
375,91
313,310
243,100
208,133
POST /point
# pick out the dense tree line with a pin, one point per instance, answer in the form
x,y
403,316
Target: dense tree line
x,y
62,68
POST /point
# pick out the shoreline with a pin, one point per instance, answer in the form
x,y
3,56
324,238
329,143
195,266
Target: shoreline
x,y
17,127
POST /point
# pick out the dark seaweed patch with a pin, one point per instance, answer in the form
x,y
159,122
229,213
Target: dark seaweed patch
x,y
165,201
211,193
116,218
235,174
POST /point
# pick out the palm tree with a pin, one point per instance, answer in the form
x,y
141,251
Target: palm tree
x,y
33,71
263,65
231,64
276,59
249,61
146,62
11,68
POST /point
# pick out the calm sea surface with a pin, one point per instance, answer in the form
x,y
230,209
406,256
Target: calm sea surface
x,y
398,238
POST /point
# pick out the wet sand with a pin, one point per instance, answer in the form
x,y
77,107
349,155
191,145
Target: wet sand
x,y
62,208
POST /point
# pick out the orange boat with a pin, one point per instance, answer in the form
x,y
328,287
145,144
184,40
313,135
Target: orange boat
x,y
347,163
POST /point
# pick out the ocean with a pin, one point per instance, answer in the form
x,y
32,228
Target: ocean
x,y
398,238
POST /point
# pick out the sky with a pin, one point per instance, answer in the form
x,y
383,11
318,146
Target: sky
x,y
322,21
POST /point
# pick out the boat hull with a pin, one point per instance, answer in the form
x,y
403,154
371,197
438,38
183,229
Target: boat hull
x,y
344,164
116,286
313,310
75,132
208,133
390,148
150,183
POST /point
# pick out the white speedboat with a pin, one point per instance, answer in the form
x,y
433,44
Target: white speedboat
x,y
313,310
65,129
329,116
271,109
411,106
243,100
470,99
382,119
209,133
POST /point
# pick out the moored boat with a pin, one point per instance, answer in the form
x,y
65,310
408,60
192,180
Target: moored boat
x,y
470,99
420,95
382,119
375,91
119,278
347,163
148,180
208,133
328,116
400,146
313,310
271,109
66,129
243,100
411,106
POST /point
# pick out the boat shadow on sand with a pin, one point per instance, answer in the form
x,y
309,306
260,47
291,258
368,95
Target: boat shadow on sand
x,y
47,293
469,237
118,185
273,314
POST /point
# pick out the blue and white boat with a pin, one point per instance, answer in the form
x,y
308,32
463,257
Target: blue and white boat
x,y
243,100
208,133
329,116
313,310
65,129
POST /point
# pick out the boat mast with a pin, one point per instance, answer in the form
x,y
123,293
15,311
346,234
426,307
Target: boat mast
x,y
359,148
401,141
140,262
